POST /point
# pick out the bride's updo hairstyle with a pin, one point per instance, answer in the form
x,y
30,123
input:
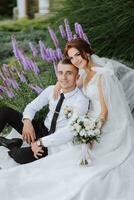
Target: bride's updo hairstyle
x,y
81,45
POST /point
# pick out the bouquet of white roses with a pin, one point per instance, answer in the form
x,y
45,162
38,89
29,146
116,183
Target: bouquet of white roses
x,y
85,131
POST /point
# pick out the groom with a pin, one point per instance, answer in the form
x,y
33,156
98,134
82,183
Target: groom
x,y
55,129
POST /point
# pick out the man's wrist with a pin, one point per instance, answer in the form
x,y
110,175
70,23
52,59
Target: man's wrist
x,y
39,142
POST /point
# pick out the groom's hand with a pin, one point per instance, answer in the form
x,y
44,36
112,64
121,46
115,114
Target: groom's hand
x,y
37,150
28,132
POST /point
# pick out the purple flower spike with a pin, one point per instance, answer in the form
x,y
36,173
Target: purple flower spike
x,y
80,31
76,28
33,48
10,93
6,90
59,53
12,81
55,58
25,62
13,68
55,68
68,30
62,31
51,56
43,50
33,66
36,88
5,68
22,78
14,84
2,76
53,37
16,50
86,38
20,75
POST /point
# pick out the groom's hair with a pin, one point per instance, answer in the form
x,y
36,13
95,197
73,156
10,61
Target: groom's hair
x,y
67,61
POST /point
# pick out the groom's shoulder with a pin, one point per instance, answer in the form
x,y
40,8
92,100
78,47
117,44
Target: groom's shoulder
x,y
49,88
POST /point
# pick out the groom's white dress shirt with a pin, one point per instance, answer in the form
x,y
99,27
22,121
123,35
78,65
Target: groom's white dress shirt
x,y
74,99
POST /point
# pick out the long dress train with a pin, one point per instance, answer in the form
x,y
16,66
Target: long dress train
x,y
110,174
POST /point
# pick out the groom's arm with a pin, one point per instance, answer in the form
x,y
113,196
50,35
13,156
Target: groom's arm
x,y
64,135
28,132
37,104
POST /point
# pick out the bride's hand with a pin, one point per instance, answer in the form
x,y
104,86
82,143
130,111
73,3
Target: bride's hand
x,y
57,89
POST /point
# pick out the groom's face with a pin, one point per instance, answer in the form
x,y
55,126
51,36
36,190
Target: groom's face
x,y
67,76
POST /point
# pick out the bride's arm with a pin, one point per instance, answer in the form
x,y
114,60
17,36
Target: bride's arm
x,y
104,110
79,82
57,89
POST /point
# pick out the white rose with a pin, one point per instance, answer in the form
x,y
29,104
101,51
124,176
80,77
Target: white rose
x,y
78,128
91,133
75,125
75,116
75,133
87,128
92,124
82,132
85,134
86,122
78,120
97,131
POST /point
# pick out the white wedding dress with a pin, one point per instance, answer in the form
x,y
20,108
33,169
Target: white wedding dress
x,y
109,175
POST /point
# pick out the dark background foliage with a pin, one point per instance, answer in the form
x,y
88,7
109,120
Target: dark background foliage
x,y
6,7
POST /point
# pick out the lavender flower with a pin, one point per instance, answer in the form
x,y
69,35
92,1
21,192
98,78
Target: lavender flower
x,y
2,76
6,90
36,88
20,75
25,62
16,50
76,28
55,68
80,31
53,37
1,92
43,50
68,30
62,31
33,66
59,54
22,78
12,81
10,93
5,68
33,48
49,55
86,38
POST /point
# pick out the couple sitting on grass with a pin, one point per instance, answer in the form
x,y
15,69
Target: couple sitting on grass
x,y
86,84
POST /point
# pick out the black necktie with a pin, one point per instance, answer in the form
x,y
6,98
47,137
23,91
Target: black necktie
x,y
56,114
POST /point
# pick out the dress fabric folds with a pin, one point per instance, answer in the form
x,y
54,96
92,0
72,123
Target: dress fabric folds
x,y
109,175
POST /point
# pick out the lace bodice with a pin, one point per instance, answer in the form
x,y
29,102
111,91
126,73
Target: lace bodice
x,y
91,91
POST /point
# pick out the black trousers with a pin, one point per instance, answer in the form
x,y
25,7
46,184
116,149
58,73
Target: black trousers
x,y
14,118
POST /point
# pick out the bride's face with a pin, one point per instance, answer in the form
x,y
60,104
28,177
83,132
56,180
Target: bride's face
x,y
76,58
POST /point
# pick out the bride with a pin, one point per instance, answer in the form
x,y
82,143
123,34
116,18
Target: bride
x,y
110,175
